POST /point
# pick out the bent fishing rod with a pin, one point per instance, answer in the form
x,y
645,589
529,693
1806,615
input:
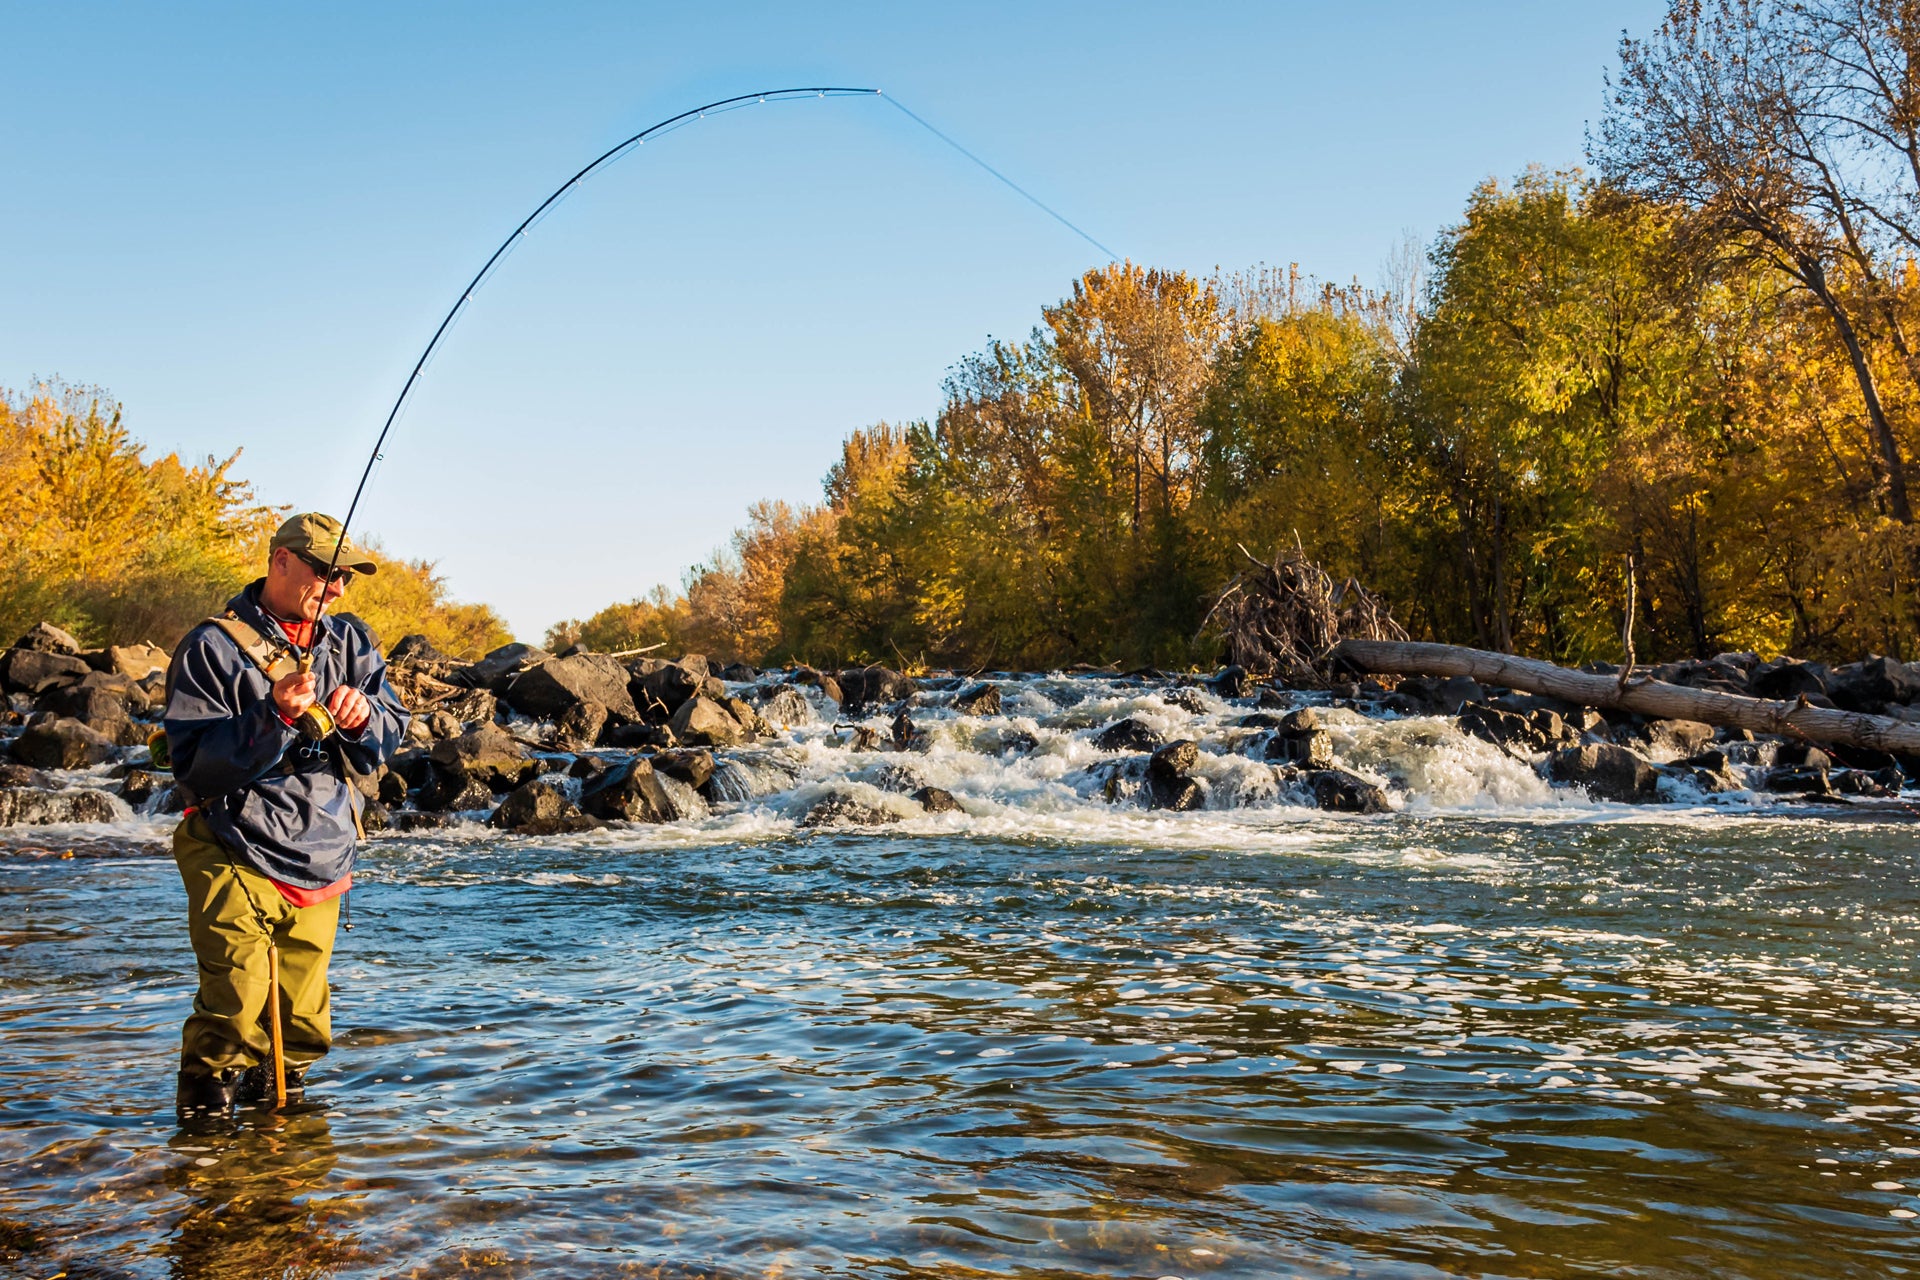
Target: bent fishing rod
x,y
605,158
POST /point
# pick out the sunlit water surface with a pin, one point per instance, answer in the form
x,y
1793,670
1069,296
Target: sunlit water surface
x,y
1604,1043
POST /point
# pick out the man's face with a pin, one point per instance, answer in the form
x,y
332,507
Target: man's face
x,y
296,585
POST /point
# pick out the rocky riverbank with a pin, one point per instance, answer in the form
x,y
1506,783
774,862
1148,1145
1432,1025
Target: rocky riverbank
x,y
534,742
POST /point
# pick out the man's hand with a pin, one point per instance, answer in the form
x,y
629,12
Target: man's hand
x,y
350,708
294,694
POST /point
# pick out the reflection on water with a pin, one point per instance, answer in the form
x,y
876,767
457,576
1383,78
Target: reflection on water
x,y
1410,1047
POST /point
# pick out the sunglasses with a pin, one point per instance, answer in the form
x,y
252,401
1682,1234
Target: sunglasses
x,y
319,567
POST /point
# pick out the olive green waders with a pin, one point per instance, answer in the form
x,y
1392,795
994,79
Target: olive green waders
x,y
231,911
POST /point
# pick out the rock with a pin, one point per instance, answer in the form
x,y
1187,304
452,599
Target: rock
x,y
1188,700
629,792
580,725
393,789
489,755
62,744
1508,729
539,808
691,765
1176,793
440,726
47,638
1607,772
473,707
1230,682
1860,782
902,779
978,700
749,719
702,722
417,650
1343,792
1018,741
1869,686
450,789
633,737
738,673
786,706
1676,737
374,817
1800,779
1272,700
1257,720
1443,696
134,661
36,671
499,668
27,808
1127,735
19,775
1802,755
90,704
936,800
1785,678
839,809
1307,748
411,820
659,688
551,689
860,686
140,786
1174,760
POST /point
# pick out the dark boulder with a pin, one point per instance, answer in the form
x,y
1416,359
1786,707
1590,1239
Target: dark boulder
x,y
1607,772
417,650
978,700
1786,678
140,786
902,779
35,671
393,789
1187,699
450,789
1230,682
840,809
580,725
702,722
413,820
59,743
1298,739
500,668
690,765
786,705
540,808
861,687
1862,782
551,689
1174,760
629,792
26,808
488,755
1127,735
88,703
1443,696
1678,737
738,673
47,638
635,737
1179,794
1272,699
19,775
1871,685
1801,779
660,688
1342,792
936,800
1801,755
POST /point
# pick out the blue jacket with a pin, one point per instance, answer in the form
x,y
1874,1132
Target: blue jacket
x,y
273,799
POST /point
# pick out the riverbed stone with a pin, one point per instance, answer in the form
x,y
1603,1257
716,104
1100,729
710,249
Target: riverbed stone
x,y
1338,791
978,700
702,722
629,792
861,687
60,743
539,808
691,765
1127,735
34,671
1607,772
23,807
842,809
936,800
20,775
551,689
487,754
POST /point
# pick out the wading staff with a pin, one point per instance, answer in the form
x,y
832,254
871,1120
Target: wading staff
x,y
273,1027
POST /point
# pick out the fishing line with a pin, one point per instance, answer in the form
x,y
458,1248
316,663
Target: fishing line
x,y
669,125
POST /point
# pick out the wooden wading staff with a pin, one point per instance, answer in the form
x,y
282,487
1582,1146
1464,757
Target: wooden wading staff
x,y
273,1027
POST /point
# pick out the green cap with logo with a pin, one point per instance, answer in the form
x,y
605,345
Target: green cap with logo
x,y
316,536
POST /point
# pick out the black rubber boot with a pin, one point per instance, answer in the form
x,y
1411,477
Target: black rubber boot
x,y
202,1096
256,1085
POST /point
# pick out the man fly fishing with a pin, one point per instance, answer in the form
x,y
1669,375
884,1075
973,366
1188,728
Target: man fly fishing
x,y
273,712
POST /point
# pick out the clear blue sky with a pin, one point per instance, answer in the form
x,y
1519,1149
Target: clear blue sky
x,y
244,221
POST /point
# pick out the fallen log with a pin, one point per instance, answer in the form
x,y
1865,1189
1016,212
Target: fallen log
x,y
1797,718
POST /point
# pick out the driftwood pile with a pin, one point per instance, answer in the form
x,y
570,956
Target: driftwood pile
x,y
1285,617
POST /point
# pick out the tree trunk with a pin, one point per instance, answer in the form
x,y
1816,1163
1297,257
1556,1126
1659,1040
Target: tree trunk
x,y
1649,698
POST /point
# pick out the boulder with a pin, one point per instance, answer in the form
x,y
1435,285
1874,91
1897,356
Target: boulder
x,y
1869,686
499,668
36,671
1443,696
1342,792
702,722
786,706
1230,682
978,700
1800,779
447,789
1272,699
489,755
392,789
1188,700
47,638
411,820
902,779
1177,794
839,809
549,690
1861,782
140,786
861,687
658,689
580,725
629,792
417,650
691,765
1677,737
134,661
19,775
1787,678
633,737
90,704
1127,735
738,673
59,743
742,710
22,807
1607,772
540,808
1174,759
471,707
1801,755
936,800
1299,740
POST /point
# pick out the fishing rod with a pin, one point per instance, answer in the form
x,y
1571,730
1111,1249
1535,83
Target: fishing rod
x,y
607,157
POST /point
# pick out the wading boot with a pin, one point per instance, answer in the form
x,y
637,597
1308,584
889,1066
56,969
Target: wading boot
x,y
201,1096
256,1085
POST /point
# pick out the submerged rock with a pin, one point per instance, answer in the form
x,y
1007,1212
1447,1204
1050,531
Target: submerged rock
x,y
691,765
936,800
540,808
860,686
1127,735
1343,792
841,809
629,793
978,700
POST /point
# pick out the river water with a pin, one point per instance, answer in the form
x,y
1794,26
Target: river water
x,y
1492,1033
